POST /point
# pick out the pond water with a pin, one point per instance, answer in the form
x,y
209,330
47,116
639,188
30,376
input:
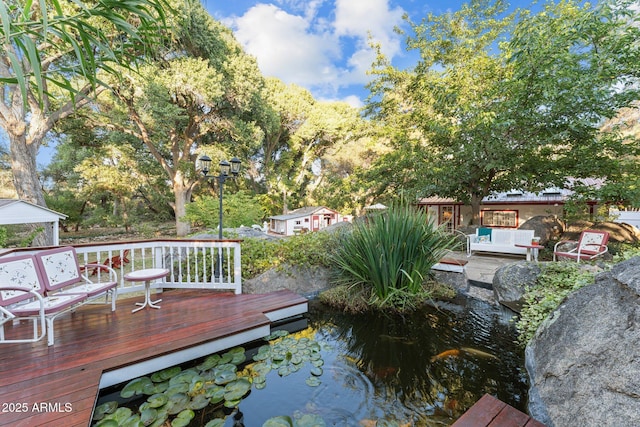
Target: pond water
x,y
423,369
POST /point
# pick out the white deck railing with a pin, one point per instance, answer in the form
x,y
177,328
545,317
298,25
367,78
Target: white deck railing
x,y
191,263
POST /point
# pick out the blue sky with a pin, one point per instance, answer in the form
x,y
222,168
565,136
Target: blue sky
x,y
322,44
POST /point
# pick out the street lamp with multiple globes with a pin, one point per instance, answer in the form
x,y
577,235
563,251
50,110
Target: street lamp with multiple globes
x,y
204,162
225,167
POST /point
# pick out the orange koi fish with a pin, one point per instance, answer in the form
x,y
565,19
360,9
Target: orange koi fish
x,y
449,353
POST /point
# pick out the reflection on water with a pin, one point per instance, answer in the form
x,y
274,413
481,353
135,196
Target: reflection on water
x,y
423,369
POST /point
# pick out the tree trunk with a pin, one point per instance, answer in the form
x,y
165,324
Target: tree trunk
x,y
475,209
25,179
182,194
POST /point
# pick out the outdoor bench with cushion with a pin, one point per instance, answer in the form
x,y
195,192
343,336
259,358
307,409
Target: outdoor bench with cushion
x,y
499,240
43,287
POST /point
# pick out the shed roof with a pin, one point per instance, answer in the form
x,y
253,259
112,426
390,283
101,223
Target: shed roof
x,y
14,211
301,212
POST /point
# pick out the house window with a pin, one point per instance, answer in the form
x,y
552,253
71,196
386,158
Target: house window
x,y
306,220
506,218
298,222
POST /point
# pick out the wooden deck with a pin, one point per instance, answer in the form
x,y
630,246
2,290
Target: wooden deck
x,y
58,385
489,411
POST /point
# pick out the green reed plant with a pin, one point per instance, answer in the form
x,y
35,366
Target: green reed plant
x,y
392,252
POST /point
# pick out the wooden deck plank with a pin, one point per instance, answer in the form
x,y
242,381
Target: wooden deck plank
x,y
94,340
491,412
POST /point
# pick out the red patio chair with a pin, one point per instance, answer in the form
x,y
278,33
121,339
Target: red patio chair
x,y
592,244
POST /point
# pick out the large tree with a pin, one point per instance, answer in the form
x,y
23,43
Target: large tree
x,y
300,136
504,101
202,96
51,54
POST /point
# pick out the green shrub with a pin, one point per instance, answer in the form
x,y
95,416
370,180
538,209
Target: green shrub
x,y
392,253
306,251
238,209
3,237
556,281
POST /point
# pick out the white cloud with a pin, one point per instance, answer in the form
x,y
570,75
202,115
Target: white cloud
x,y
309,48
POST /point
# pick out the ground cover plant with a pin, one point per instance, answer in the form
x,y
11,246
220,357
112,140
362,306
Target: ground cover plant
x,y
556,281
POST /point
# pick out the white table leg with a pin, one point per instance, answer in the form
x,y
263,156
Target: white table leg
x,y
147,298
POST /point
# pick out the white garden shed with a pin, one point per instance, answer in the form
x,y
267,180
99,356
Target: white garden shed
x,y
14,211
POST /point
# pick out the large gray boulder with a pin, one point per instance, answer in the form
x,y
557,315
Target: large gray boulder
x,y
584,361
511,281
545,227
307,282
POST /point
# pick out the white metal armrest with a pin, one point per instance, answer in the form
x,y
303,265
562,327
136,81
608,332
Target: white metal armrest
x,y
86,267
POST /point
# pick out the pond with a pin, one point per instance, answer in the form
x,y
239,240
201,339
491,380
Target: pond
x,y
423,369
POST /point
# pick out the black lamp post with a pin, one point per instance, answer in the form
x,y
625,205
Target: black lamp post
x,y
225,167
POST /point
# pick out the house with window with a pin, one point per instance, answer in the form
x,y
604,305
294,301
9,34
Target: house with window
x,y
502,210
311,218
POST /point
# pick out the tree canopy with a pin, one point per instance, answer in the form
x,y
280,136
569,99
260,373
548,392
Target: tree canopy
x,y
502,101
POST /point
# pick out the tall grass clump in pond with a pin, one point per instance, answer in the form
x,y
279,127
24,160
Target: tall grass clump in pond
x,y
391,254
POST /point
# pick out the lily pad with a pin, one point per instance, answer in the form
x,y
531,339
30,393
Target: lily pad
x,y
179,402
165,374
148,416
183,418
218,422
132,421
313,381
104,408
209,363
184,377
135,387
237,389
310,420
281,421
157,400
198,402
225,377
316,371
107,423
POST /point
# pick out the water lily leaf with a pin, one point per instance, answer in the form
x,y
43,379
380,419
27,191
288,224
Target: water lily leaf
x,y
179,402
160,387
232,403
281,421
313,381
183,418
225,377
310,420
226,358
209,363
237,389
283,371
260,386
134,387
165,374
261,368
197,384
227,367
217,396
276,334
132,421
317,363
175,389
148,416
218,422
107,423
296,360
104,408
198,402
316,371
184,377
157,400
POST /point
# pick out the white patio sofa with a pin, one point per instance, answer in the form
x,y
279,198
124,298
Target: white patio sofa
x,y
499,240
